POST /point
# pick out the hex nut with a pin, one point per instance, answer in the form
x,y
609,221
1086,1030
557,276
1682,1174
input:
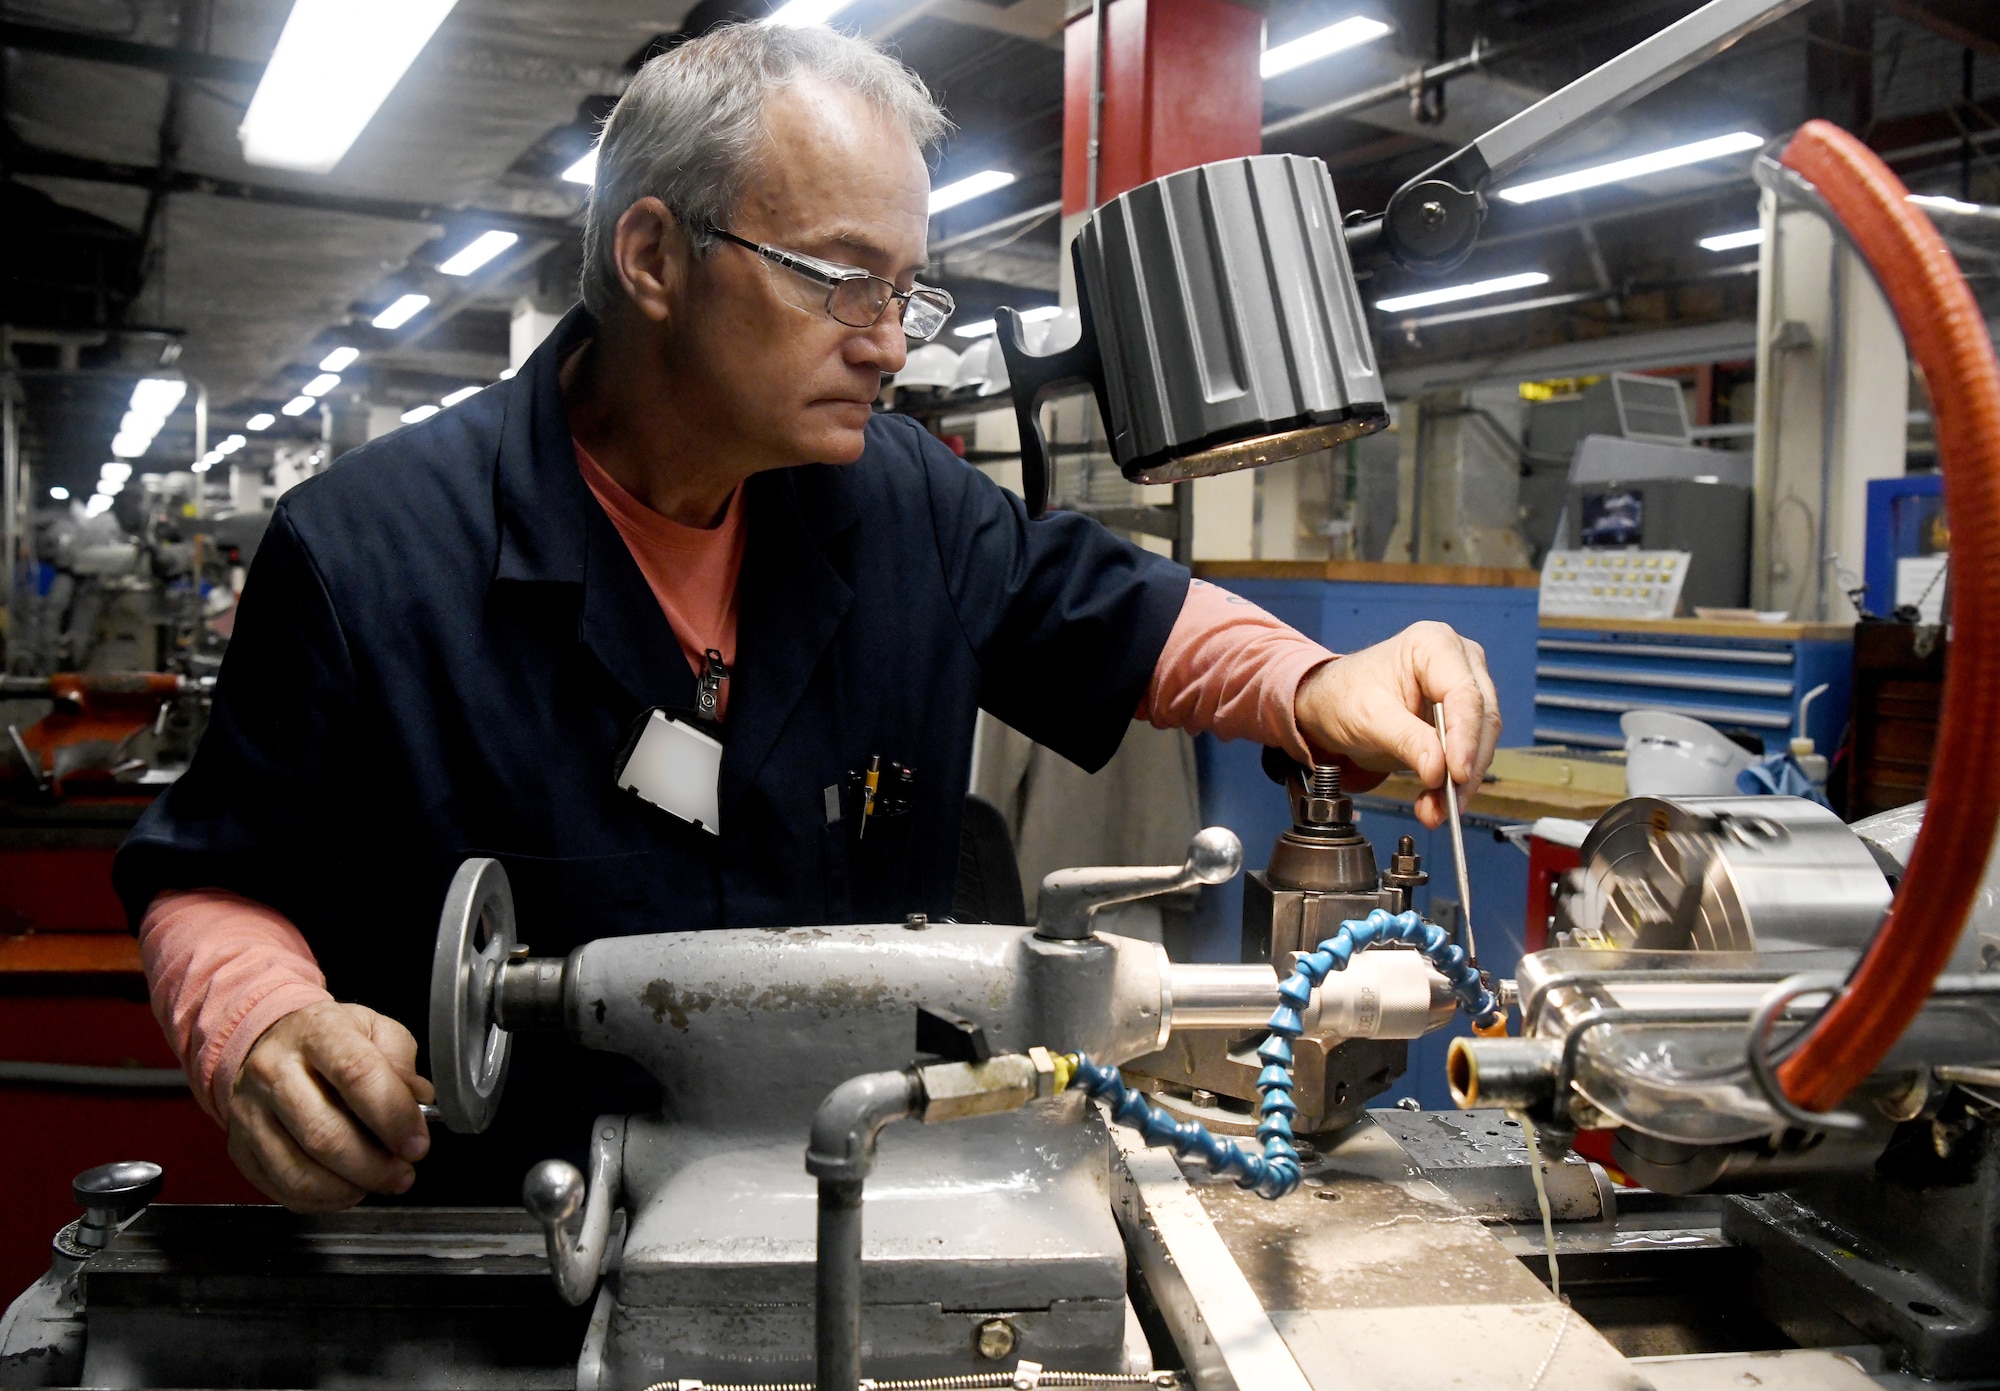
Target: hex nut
x,y
996,1339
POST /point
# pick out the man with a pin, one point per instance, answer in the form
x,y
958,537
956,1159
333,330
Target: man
x,y
684,500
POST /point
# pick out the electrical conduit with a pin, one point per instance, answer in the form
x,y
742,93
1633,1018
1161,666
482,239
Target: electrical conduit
x,y
1948,339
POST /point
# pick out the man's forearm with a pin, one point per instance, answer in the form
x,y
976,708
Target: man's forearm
x,y
1233,670
221,969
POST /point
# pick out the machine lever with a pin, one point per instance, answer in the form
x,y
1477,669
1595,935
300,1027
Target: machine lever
x,y
575,1220
1071,897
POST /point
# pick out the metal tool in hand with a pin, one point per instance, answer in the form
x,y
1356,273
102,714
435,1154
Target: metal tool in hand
x,y
1457,827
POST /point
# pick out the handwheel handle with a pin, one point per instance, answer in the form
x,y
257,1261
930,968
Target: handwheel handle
x,y
469,1050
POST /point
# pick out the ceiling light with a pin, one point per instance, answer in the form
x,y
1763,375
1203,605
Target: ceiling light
x,y
1939,203
107,488
335,63
202,465
231,445
1472,290
966,189
1734,241
320,385
59,494
298,405
158,396
263,420
99,503
980,328
339,360
1620,170
130,446
584,171
115,472
459,395
1321,43
478,252
800,14
416,413
406,308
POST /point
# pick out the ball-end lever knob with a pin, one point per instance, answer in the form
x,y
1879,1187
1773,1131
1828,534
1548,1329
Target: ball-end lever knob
x,y
112,1195
553,1193
1215,856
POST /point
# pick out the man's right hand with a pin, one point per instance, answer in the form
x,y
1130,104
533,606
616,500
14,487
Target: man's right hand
x,y
325,1108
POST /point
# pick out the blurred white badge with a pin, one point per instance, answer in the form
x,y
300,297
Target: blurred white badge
x,y
678,769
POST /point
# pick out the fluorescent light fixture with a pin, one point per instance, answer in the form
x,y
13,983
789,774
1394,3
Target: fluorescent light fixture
x,y
298,405
107,488
157,396
1452,293
320,385
115,472
335,64
1734,241
478,252
230,445
1321,43
801,14
263,420
416,413
202,465
459,395
406,308
339,360
1939,203
980,328
584,171
59,494
968,188
1618,171
99,504
130,446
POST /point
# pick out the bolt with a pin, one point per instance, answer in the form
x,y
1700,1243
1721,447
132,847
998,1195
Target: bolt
x,y
1408,1103
996,1339
916,922
1201,1098
1328,1195
1432,213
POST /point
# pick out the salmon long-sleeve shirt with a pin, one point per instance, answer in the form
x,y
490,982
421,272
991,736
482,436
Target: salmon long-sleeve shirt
x,y
222,968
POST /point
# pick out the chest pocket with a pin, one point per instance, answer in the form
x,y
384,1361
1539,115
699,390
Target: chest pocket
x,y
561,902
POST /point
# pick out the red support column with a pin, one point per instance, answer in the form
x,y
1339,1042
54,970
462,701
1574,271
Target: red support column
x,y
1181,88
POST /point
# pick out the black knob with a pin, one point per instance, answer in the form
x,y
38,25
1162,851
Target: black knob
x,y
111,1195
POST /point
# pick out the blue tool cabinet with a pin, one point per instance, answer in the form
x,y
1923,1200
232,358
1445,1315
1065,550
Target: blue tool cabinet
x,y
1751,676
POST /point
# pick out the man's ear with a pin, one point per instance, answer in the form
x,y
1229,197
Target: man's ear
x,y
652,254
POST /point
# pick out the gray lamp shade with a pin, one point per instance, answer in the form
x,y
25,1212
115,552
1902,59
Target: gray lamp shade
x,y
1221,326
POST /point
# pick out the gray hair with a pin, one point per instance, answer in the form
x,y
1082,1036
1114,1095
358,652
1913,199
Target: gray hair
x,y
690,128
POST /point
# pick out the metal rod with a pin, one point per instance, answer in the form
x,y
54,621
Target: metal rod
x,y
837,1286
1457,839
1100,25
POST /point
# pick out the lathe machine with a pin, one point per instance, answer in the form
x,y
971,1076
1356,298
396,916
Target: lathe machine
x,y
880,1155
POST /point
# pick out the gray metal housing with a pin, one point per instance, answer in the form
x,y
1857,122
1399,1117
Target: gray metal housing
x,y
1225,309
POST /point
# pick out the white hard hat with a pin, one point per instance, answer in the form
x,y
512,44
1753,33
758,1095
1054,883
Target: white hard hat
x,y
933,364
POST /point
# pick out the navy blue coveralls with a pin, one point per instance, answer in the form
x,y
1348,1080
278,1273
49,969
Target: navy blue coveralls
x,y
444,643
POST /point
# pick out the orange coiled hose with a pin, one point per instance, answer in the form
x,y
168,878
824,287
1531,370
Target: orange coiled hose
x,y
1947,337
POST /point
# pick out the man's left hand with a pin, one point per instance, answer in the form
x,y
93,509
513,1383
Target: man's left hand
x,y
1374,706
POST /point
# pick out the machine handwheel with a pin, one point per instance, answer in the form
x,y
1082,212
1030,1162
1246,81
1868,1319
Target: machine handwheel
x,y
469,1050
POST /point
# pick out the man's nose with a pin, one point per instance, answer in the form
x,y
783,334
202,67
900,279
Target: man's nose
x,y
883,346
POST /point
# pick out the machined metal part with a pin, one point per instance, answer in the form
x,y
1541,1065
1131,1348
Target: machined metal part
x,y
469,1048
1724,874
1481,1158
575,1216
1070,898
